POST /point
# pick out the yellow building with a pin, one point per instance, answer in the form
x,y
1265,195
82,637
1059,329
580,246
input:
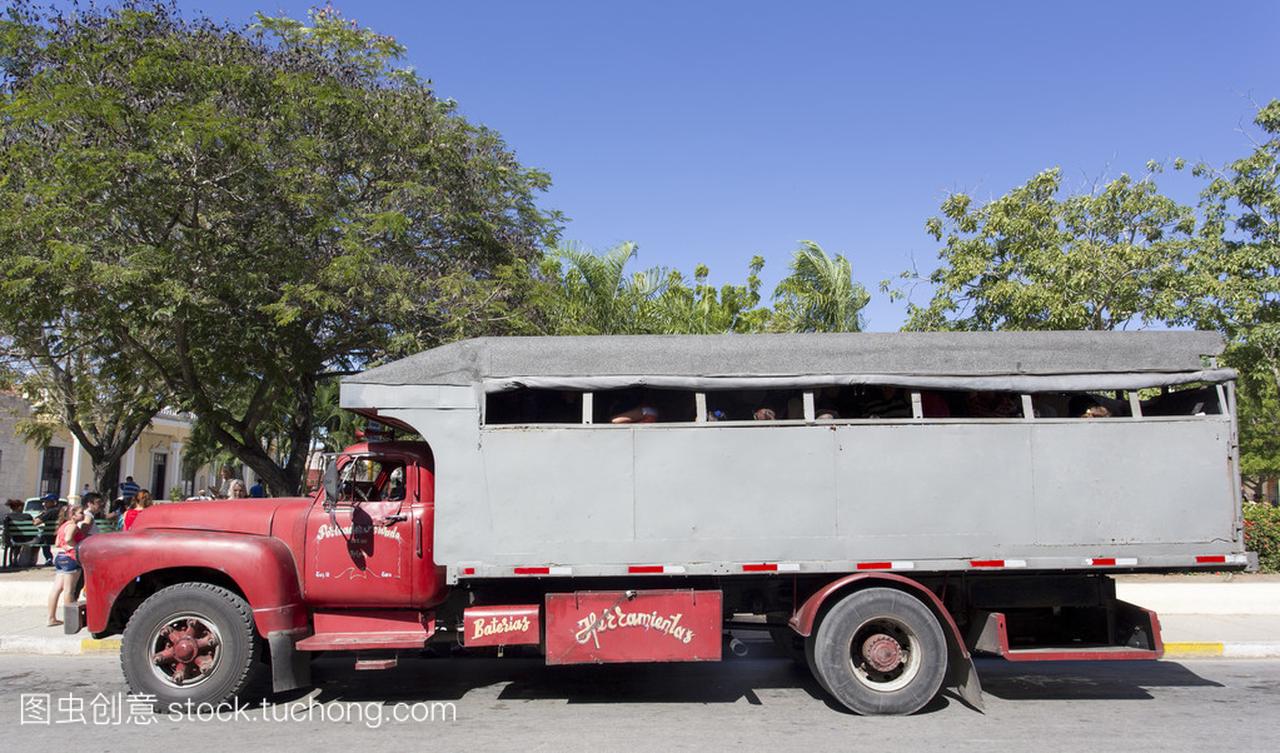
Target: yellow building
x,y
63,467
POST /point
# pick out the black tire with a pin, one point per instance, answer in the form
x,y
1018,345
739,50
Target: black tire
x,y
877,614
812,662
230,667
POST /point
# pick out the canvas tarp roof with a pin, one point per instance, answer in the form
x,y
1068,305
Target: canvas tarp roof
x,y
1018,361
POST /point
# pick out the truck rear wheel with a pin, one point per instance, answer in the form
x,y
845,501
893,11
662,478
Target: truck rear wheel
x,y
192,643
880,651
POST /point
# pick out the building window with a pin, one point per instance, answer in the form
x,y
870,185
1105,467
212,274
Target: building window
x,y
51,471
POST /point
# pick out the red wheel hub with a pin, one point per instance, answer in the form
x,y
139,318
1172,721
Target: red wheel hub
x,y
185,650
882,652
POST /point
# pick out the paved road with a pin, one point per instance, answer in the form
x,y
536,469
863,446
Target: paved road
x,y
754,703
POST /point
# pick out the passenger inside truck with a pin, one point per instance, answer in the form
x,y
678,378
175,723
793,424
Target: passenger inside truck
x,y
756,405
643,405
1097,404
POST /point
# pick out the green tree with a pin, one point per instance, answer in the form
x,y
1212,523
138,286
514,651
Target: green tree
x,y
595,294
598,296
84,384
819,294
1237,274
249,210
704,309
1033,259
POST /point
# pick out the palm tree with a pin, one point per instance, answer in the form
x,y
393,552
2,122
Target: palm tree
x,y
600,297
820,294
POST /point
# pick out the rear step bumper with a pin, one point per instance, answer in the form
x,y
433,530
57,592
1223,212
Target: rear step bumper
x,y
1139,627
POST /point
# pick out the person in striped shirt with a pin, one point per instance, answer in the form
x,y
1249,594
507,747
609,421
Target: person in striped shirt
x,y
129,489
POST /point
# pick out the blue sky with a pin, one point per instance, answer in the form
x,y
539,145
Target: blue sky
x,y
712,131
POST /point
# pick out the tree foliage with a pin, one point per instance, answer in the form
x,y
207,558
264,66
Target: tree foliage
x,y
594,293
73,375
1035,259
1237,271
819,294
248,210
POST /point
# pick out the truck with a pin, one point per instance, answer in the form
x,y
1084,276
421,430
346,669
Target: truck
x,y
884,506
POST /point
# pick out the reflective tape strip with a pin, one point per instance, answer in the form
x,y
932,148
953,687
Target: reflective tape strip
x,y
998,563
1112,561
1211,559
760,567
788,567
655,569
894,565
543,570
468,571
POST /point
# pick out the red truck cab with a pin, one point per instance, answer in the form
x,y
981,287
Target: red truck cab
x,y
213,596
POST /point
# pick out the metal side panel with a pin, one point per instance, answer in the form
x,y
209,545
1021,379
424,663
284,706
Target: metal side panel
x,y
947,494
606,627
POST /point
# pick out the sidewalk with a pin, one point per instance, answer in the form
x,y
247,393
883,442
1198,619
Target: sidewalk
x,y
1200,615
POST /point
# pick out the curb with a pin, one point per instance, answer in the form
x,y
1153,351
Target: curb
x,y
1215,650
61,646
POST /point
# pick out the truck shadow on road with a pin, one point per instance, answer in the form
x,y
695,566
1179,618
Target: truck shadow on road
x,y
1099,680
754,679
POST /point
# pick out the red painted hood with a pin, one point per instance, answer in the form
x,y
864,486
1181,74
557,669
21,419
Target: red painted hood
x,y
252,516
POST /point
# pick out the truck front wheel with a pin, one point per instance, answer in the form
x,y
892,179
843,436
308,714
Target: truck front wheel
x,y
880,651
191,644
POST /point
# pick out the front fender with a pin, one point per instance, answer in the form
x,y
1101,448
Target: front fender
x,y
262,568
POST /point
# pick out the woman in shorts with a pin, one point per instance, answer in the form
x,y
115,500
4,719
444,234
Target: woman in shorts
x,y
73,527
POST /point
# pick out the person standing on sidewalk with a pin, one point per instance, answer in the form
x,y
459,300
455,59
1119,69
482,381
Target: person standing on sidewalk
x,y
141,501
48,519
73,527
128,489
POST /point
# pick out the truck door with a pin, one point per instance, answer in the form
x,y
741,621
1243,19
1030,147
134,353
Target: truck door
x,y
361,551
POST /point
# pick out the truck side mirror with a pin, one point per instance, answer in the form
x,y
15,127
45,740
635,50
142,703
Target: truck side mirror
x,y
331,483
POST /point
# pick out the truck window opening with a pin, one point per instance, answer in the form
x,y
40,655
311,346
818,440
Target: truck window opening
x,y
643,405
1097,404
533,406
970,404
863,401
1184,400
748,405
372,479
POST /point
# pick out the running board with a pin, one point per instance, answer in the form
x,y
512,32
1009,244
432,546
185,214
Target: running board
x,y
1141,628
360,630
